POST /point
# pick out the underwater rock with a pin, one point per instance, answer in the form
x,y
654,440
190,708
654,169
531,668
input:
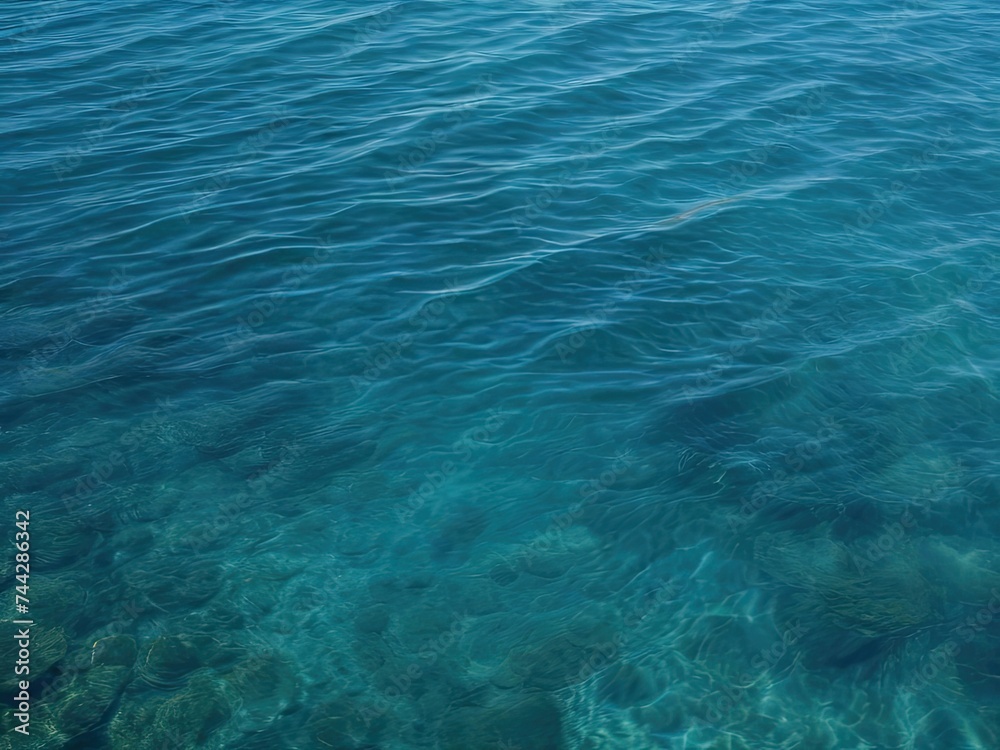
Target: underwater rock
x,y
916,469
836,586
82,705
625,685
61,541
546,660
48,647
503,574
316,460
130,727
54,599
215,431
391,589
114,651
172,583
875,607
968,573
169,659
372,620
192,715
527,722
265,685
459,532
549,665
34,473
143,502
344,724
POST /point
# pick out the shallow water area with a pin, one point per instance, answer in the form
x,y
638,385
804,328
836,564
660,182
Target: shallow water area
x,y
551,375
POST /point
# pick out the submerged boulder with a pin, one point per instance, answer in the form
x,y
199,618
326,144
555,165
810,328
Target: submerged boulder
x,y
187,719
81,707
170,659
836,587
194,713
265,685
344,724
114,651
527,722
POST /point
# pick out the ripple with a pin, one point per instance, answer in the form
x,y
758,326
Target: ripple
x,y
494,320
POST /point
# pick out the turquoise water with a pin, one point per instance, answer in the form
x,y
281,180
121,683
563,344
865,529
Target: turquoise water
x,y
535,375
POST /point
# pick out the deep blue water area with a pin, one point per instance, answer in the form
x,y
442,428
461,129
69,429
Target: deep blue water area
x,y
535,375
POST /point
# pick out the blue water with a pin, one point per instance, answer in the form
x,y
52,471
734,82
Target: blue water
x,y
535,375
